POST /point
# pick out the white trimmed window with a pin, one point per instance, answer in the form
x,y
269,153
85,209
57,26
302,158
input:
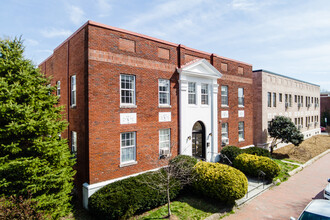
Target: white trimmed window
x,y
191,93
269,99
164,141
58,88
73,91
240,96
164,91
224,95
241,131
205,94
127,89
74,143
224,133
127,147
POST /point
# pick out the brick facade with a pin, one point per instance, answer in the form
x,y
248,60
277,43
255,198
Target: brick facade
x,y
97,54
325,108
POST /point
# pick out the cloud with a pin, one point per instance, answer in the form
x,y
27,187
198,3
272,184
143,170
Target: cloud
x,y
244,5
104,8
77,15
31,42
53,32
168,9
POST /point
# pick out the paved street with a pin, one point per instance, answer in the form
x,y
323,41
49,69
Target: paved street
x,y
291,197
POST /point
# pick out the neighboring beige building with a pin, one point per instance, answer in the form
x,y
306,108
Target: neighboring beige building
x,y
275,94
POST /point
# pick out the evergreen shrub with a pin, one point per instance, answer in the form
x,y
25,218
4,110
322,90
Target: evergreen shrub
x,y
231,152
124,198
220,181
252,164
257,151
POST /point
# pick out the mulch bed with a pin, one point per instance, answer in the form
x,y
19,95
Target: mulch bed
x,y
305,151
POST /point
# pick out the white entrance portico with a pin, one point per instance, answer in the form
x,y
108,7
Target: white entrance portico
x,y
198,103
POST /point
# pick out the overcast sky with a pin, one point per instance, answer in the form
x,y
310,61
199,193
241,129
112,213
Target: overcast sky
x,y
289,37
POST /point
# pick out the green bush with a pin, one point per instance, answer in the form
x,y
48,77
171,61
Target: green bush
x,y
220,181
231,152
257,151
122,199
252,164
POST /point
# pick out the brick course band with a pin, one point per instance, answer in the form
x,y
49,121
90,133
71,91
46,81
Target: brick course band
x,y
114,58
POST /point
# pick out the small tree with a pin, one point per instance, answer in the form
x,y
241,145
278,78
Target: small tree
x,y
32,157
282,130
176,172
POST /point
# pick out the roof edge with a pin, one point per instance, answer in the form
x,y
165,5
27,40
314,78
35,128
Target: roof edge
x,y
288,77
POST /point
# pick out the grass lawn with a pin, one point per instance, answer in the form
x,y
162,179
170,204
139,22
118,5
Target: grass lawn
x,y
285,168
188,207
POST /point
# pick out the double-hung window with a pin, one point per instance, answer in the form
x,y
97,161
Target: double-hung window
x,y
290,100
127,89
205,94
191,93
128,147
73,91
164,141
224,95
58,88
74,143
164,91
274,99
224,133
241,131
280,97
269,99
240,96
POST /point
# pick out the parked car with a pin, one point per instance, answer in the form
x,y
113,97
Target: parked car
x,y
318,209
322,129
326,194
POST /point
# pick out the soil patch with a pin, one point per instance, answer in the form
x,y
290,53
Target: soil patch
x,y
308,149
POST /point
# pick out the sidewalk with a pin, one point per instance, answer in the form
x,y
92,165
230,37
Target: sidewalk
x,y
289,198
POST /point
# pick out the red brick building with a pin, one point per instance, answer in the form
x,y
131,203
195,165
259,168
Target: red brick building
x,y
131,99
325,108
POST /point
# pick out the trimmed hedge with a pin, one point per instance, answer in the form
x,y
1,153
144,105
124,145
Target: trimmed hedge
x,y
251,164
122,199
220,181
231,152
257,151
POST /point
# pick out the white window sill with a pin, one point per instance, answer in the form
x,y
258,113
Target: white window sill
x,y
127,106
73,106
225,106
128,164
205,106
241,106
164,106
241,140
193,105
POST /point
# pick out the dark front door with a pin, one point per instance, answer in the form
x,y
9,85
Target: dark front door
x,y
198,145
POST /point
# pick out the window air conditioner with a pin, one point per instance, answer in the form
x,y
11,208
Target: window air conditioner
x,y
165,152
286,105
299,105
225,141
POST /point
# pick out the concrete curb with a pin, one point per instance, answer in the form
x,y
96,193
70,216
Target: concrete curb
x,y
292,172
